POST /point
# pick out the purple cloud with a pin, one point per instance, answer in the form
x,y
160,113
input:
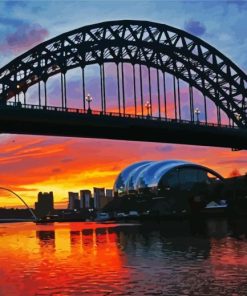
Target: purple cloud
x,y
10,22
67,159
13,4
195,27
23,38
239,3
166,148
56,171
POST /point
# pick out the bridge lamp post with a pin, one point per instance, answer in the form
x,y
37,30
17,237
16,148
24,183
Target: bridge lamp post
x,y
148,107
238,116
197,113
18,87
89,100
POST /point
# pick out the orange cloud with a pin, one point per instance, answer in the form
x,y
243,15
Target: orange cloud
x,y
29,164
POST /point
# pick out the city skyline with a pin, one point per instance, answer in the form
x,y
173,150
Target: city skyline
x,y
35,163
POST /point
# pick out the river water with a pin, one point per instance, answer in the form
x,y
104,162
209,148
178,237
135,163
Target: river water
x,y
168,258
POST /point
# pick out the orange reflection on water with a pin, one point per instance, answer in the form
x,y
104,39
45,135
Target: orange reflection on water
x,y
228,258
60,258
231,253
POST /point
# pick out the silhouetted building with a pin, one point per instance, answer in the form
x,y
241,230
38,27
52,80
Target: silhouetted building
x,y
74,202
85,199
45,204
235,192
15,213
100,199
169,186
109,194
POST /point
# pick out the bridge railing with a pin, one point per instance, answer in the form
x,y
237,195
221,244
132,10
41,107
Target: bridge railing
x,y
19,105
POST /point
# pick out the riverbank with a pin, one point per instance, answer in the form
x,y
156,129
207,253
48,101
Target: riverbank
x,y
152,218
15,220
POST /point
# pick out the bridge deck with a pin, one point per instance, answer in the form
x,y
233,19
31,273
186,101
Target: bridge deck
x,y
70,122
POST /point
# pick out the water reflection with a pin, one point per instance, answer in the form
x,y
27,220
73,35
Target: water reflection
x,y
238,228
168,258
46,241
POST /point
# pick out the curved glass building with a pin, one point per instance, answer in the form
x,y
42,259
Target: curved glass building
x,y
156,178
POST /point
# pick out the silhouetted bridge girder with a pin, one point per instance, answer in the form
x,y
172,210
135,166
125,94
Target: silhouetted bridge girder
x,y
53,121
162,51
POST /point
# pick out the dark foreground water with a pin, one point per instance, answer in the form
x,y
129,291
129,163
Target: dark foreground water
x,y
171,258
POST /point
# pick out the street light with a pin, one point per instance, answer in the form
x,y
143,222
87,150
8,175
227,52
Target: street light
x,y
18,87
89,100
197,113
148,107
238,116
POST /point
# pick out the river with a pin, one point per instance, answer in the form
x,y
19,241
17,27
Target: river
x,y
166,258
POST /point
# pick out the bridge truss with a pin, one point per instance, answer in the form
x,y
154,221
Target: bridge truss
x,y
160,64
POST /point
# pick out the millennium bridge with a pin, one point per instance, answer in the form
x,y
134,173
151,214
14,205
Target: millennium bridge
x,y
129,80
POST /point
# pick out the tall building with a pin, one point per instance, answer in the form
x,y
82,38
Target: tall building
x,y
45,204
100,199
109,194
85,199
74,203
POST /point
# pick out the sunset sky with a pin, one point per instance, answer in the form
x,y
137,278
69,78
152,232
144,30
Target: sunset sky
x,y
29,164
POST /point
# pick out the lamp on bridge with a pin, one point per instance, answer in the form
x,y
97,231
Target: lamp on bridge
x,y
18,94
89,100
197,113
238,116
148,107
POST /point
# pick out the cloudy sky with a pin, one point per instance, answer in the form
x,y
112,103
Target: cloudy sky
x,y
29,164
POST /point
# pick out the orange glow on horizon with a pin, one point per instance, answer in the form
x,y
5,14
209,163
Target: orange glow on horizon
x,y
30,164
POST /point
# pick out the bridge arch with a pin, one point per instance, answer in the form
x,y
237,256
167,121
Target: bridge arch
x,y
22,200
155,45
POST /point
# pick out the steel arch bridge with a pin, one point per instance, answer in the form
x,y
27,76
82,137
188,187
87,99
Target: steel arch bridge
x,y
161,65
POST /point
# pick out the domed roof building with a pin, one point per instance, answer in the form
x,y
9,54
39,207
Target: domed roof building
x,y
154,176
166,187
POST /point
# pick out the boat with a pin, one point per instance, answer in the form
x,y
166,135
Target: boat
x,y
102,217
